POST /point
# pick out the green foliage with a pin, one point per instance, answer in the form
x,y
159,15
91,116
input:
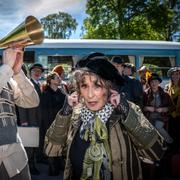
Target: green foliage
x,y
131,19
139,28
59,26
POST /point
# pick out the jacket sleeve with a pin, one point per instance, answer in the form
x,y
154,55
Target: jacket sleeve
x,y
25,94
143,134
23,90
56,135
6,74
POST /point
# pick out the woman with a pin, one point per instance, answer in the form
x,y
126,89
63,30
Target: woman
x,y
59,69
173,89
52,99
157,105
103,135
51,102
143,71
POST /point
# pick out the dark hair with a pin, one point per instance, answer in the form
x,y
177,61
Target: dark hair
x,y
117,59
49,77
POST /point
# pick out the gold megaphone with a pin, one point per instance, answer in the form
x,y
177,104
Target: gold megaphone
x,y
27,33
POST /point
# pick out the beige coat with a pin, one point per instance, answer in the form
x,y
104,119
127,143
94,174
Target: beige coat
x,y
13,156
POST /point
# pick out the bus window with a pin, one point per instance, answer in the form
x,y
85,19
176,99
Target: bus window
x,y
159,65
29,57
51,61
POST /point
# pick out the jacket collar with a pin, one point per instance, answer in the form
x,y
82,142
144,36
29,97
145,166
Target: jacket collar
x,y
76,120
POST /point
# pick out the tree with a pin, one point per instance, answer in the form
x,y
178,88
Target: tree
x,y
105,19
131,19
164,17
59,26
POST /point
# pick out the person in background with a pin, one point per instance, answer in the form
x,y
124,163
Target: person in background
x,y
15,89
36,70
143,73
25,71
132,87
118,62
32,117
129,69
157,105
96,127
52,100
59,69
173,89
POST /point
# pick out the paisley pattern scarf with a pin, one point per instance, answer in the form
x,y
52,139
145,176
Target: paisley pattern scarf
x,y
98,155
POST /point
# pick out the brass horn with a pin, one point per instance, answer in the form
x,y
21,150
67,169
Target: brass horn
x,y
28,32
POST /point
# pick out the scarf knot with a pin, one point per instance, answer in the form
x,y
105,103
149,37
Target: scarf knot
x,y
93,129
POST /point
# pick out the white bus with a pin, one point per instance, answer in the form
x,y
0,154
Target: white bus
x,y
158,55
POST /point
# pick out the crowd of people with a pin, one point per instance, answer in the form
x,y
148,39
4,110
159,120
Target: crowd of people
x,y
105,124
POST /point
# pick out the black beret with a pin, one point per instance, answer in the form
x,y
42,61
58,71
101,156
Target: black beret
x,y
101,66
86,59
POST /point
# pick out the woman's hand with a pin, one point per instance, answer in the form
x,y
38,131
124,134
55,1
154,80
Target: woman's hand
x,y
9,57
114,98
73,99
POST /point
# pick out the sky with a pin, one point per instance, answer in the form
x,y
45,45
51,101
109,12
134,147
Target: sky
x,y
14,12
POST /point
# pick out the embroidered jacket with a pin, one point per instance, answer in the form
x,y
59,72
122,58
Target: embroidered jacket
x,y
131,141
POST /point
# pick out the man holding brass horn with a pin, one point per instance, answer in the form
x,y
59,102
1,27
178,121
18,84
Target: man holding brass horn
x,y
15,89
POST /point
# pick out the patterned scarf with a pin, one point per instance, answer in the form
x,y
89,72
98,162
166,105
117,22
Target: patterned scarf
x,y
98,154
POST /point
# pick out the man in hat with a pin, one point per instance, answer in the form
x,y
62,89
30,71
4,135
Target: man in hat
x,y
15,89
157,104
132,87
118,62
129,69
36,71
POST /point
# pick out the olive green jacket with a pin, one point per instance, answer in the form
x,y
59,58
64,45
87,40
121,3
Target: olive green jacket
x,y
131,141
